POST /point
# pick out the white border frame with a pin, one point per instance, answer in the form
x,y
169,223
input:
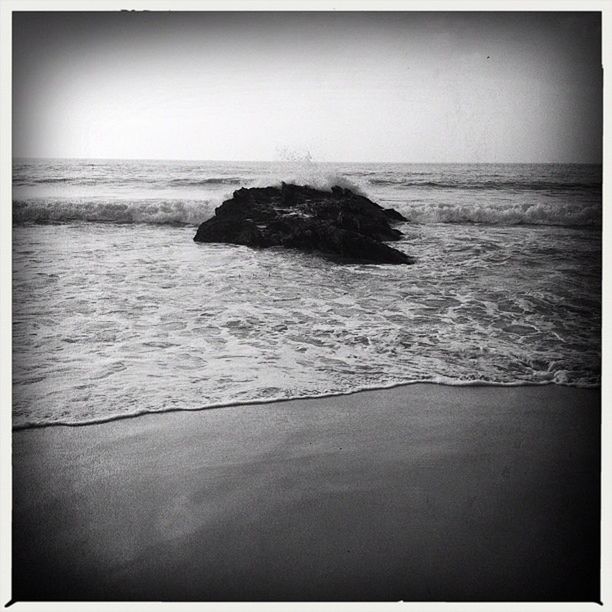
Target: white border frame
x,y
6,9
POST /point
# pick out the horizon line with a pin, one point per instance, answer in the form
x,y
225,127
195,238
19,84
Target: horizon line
x,y
306,161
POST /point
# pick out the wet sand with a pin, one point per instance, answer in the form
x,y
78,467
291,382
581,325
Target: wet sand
x,y
422,492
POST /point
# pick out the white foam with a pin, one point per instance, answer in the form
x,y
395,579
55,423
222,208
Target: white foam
x,y
438,380
303,171
512,213
164,212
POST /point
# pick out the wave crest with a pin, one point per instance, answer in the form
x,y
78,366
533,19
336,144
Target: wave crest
x,y
164,212
569,215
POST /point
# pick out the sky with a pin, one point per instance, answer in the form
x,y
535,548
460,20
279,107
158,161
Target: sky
x,y
339,86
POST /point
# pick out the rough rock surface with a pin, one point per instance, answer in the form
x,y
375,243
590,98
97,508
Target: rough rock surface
x,y
340,224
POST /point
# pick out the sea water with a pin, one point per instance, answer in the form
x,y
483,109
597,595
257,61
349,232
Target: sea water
x,y
116,311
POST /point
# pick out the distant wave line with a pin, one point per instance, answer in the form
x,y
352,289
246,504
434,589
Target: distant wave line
x,y
492,185
24,181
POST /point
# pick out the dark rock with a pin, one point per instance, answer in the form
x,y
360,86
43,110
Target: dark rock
x,y
231,229
394,215
340,224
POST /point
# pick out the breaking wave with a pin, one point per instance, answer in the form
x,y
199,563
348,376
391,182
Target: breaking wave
x,y
193,212
324,181
528,213
163,212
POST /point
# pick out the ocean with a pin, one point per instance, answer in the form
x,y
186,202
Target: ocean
x,y
117,312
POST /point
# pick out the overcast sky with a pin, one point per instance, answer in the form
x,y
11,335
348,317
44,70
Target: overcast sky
x,y
413,87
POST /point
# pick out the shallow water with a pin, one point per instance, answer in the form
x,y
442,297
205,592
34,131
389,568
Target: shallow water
x,y
124,317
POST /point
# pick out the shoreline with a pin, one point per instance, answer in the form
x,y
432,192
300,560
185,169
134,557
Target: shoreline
x,y
277,400
422,492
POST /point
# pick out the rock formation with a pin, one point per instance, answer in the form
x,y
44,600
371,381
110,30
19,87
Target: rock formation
x,y
339,224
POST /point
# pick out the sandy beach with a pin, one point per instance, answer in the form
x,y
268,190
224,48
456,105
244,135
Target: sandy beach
x,y
421,492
